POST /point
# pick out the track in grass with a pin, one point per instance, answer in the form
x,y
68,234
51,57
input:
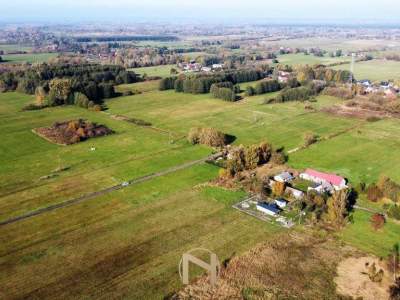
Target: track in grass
x,y
106,190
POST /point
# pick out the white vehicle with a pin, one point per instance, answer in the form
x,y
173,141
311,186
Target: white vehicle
x,y
125,183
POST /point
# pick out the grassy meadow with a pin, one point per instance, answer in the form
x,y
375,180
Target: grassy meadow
x,y
127,244
302,59
376,70
161,71
28,58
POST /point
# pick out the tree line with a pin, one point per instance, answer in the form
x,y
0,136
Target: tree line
x,y
94,81
201,83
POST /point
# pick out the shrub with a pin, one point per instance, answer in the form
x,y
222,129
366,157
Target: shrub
x,y
373,193
310,138
394,212
339,92
81,100
394,290
207,136
278,158
377,221
250,91
389,188
32,106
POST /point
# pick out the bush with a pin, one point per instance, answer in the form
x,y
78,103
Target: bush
x,y
207,136
389,188
310,138
278,158
81,100
374,194
394,212
377,221
32,106
339,92
250,91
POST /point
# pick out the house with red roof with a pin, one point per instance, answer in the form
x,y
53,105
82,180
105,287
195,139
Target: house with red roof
x,y
324,180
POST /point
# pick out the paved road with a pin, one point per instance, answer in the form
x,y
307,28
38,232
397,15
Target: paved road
x,y
106,190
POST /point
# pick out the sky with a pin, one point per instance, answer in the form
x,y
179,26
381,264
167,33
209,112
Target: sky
x,y
229,11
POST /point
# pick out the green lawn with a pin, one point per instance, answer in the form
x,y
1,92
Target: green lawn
x,y
161,71
376,70
28,58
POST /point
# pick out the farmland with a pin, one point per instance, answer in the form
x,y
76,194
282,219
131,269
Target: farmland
x,y
28,58
302,59
376,70
127,243
161,71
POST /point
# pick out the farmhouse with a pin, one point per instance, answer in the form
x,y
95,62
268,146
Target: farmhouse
x,y
337,182
267,208
284,177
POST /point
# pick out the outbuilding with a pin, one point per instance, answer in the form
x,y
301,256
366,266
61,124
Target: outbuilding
x,y
267,208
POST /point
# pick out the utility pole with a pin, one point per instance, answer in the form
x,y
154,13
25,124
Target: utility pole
x,y
353,56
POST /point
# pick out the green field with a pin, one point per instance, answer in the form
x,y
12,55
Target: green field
x,y
14,47
376,70
302,59
127,243
28,58
161,71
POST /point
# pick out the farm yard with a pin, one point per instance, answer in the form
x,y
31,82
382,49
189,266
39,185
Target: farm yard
x,y
127,243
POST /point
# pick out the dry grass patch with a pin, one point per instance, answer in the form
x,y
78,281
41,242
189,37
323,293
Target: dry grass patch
x,y
353,280
292,266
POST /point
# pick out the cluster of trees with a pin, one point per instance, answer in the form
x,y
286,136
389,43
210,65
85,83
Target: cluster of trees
x,y
320,72
225,91
384,188
57,84
333,209
127,38
301,93
207,136
248,158
201,83
267,86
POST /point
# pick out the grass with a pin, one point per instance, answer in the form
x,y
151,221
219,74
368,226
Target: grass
x,y
128,243
145,86
376,70
28,58
160,71
14,47
301,59
361,235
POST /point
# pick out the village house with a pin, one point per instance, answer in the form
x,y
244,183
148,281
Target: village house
x,y
284,177
324,180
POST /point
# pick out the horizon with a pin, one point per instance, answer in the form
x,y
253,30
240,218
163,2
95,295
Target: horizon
x,y
226,12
